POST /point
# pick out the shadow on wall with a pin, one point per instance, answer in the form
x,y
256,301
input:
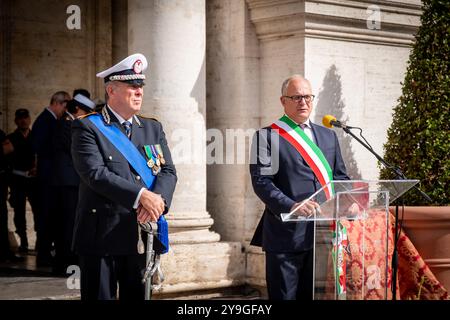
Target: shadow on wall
x,y
330,102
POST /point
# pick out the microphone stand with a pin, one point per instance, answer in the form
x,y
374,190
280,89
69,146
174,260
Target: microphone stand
x,y
401,176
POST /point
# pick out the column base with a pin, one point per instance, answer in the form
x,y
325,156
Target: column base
x,y
201,266
255,268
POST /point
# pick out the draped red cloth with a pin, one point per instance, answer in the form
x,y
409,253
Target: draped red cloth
x,y
414,275
366,262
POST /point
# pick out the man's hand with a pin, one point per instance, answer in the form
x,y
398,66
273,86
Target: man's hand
x,y
151,206
7,147
308,208
32,172
144,216
354,210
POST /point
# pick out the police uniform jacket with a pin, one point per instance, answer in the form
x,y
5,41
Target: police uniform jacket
x,y
64,173
106,222
293,182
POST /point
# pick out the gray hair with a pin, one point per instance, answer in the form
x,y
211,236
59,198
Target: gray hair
x,y
288,80
59,97
107,84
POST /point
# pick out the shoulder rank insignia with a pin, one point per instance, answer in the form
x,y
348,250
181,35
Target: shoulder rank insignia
x,y
105,115
86,115
145,117
137,120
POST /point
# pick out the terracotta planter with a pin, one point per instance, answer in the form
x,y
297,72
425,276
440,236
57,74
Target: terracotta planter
x,y
429,230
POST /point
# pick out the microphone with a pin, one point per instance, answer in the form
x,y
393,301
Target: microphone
x,y
329,121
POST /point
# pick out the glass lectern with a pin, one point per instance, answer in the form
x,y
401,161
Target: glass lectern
x,y
353,242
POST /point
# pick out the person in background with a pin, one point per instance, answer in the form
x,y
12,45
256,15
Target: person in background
x,y
42,134
6,254
66,181
23,175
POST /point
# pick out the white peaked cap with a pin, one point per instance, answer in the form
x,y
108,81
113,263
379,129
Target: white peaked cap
x,y
129,70
84,101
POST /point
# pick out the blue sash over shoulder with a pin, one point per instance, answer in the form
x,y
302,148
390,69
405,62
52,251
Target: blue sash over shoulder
x,y
139,164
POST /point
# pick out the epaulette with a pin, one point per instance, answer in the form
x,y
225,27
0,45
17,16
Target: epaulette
x,y
145,117
87,115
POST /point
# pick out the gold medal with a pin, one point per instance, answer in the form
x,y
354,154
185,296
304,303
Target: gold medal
x,y
148,153
160,154
155,170
158,163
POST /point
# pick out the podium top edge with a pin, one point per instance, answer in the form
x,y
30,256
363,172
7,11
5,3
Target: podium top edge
x,y
375,181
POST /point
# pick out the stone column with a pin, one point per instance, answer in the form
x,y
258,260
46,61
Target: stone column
x,y
171,34
233,73
5,59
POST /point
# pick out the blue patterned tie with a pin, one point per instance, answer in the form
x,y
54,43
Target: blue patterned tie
x,y
127,127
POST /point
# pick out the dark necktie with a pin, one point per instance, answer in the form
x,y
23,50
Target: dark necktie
x,y
127,126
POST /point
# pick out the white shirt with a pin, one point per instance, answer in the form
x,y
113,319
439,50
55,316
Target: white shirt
x,y
307,130
121,120
70,115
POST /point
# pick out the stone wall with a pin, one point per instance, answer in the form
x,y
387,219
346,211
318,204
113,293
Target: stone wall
x,y
44,56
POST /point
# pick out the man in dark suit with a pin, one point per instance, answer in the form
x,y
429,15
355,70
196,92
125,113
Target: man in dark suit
x,y
42,134
282,178
66,181
113,198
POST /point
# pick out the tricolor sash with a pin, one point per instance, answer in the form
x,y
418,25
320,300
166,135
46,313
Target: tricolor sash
x,y
338,254
121,142
313,156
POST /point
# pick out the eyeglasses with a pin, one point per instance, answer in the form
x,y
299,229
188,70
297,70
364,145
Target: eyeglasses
x,y
298,98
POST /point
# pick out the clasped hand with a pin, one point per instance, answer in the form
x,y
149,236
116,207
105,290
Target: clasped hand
x,y
151,207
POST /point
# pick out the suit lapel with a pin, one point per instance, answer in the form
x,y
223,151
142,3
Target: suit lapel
x,y
138,135
317,135
114,121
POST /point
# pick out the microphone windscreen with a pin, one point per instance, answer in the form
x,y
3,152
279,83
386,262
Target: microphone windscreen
x,y
326,120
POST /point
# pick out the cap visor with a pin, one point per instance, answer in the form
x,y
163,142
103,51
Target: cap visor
x,y
136,82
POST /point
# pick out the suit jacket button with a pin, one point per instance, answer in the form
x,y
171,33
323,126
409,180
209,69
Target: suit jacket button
x,y
138,177
93,210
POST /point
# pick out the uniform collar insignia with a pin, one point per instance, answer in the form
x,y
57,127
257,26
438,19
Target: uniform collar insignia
x,y
105,115
138,121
